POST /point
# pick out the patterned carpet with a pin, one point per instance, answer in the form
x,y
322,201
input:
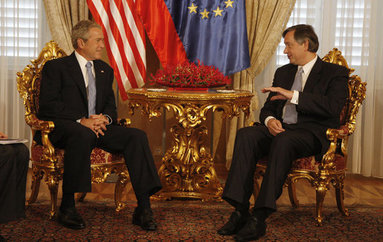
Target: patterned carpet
x,y
195,221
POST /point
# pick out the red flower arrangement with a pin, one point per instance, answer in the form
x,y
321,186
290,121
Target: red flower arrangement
x,y
191,75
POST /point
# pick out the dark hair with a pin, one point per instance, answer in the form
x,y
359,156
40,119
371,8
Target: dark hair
x,y
80,31
303,32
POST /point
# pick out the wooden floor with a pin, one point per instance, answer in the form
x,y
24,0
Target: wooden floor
x,y
359,191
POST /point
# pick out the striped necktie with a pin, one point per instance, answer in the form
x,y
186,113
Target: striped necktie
x,y
290,115
91,89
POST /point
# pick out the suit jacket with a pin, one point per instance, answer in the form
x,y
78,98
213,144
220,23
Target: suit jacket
x,y
63,93
320,103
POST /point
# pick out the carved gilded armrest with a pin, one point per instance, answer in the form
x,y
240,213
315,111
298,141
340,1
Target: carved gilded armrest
x,y
124,122
335,134
336,137
45,127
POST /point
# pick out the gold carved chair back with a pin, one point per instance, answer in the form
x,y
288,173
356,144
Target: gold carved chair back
x,y
357,90
28,81
357,93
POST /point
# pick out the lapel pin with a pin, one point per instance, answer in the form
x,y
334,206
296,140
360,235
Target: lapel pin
x,y
102,71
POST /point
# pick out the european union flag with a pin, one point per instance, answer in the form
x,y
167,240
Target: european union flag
x,y
213,31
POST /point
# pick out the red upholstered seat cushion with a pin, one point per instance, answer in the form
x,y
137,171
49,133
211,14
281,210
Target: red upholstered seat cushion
x,y
306,163
343,114
98,156
309,163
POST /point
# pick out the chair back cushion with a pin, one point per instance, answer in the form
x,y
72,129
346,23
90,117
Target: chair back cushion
x,y
97,157
308,163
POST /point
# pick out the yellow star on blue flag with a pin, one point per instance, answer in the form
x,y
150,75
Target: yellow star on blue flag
x,y
229,3
218,12
205,14
193,8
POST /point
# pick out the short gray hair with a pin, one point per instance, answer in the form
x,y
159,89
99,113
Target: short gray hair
x,y
302,33
81,31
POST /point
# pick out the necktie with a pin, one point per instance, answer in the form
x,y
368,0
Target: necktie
x,y
91,89
290,115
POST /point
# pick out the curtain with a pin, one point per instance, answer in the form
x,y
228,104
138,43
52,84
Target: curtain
x,y
22,35
353,26
62,16
266,20
366,146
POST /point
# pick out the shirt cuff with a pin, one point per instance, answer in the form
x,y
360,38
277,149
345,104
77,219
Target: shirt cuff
x,y
109,118
267,119
295,98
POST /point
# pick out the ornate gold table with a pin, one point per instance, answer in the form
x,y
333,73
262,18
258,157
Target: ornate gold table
x,y
187,169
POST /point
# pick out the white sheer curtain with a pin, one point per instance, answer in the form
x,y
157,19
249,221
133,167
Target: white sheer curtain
x,y
354,27
23,32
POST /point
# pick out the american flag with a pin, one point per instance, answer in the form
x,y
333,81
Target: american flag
x,y
124,41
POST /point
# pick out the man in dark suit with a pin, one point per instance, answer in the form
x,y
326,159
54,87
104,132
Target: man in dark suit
x,y
306,99
76,94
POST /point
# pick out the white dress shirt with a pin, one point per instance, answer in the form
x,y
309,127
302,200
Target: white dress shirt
x,y
82,61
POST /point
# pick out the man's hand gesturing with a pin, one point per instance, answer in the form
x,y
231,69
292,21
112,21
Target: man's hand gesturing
x,y
282,94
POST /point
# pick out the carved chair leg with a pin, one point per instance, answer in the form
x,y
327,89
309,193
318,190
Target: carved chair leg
x,y
339,193
53,182
37,175
339,201
320,194
292,193
256,188
121,183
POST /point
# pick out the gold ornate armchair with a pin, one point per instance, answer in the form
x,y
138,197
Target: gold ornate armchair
x,y
332,168
47,161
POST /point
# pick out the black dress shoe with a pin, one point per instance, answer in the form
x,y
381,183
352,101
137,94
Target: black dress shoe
x,y
236,221
70,218
144,219
253,230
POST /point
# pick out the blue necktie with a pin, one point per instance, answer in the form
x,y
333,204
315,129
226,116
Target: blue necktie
x,y
91,89
290,115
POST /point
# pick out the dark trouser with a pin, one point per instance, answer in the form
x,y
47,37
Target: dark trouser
x,y
78,142
253,143
14,160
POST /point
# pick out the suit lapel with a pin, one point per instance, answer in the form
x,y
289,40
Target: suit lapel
x,y
314,75
75,70
100,76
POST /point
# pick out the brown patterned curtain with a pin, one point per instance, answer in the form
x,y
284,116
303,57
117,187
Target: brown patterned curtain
x,y
62,16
